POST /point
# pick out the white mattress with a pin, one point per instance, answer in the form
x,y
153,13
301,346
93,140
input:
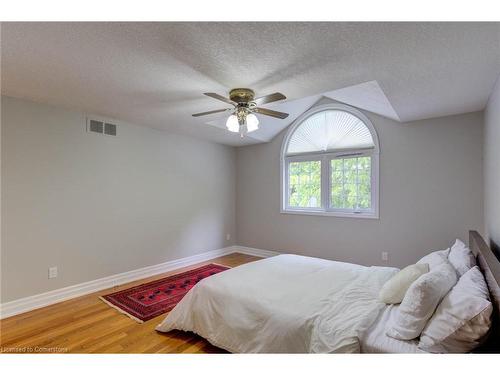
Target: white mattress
x,y
375,340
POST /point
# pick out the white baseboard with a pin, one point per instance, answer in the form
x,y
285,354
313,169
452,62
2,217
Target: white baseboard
x,y
256,252
54,296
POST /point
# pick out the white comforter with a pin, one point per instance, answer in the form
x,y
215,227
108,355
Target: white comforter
x,y
287,303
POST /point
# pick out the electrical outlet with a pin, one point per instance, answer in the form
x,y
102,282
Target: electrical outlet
x,y
228,237
385,256
52,272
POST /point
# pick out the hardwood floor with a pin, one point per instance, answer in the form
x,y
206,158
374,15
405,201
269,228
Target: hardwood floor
x,y
87,325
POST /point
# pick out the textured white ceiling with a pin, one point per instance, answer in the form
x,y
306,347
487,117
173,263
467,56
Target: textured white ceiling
x,y
154,74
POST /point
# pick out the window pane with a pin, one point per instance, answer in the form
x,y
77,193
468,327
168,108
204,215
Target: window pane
x,y
304,184
351,183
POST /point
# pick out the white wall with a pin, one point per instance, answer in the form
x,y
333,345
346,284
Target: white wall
x,y
430,193
96,205
492,167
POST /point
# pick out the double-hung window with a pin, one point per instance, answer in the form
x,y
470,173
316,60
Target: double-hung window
x,y
329,164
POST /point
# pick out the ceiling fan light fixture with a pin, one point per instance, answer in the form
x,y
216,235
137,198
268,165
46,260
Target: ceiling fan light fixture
x,y
232,124
252,122
242,119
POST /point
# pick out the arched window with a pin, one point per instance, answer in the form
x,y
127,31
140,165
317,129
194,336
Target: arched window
x,y
329,164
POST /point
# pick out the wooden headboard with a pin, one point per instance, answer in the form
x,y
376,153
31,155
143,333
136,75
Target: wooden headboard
x,y
490,266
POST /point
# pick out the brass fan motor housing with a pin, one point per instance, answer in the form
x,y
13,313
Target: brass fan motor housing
x,y
241,95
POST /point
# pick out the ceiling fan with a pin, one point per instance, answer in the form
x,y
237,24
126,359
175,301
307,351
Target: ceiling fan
x,y
242,119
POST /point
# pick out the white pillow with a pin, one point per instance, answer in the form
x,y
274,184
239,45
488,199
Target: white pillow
x,y
435,258
395,288
461,257
421,300
463,318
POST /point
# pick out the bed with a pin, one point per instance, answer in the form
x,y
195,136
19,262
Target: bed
x,y
296,304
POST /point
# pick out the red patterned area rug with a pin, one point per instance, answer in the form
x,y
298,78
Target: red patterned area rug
x,y
147,301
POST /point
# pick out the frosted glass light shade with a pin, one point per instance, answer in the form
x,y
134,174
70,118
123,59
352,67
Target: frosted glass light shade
x,y
232,124
252,122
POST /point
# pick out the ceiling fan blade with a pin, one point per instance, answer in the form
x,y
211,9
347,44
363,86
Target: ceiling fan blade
x,y
211,112
269,98
219,97
269,112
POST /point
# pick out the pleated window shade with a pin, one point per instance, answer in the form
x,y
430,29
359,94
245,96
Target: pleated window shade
x,y
330,131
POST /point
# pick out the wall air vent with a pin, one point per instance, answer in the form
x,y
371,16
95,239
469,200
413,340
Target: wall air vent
x,y
95,126
101,127
109,129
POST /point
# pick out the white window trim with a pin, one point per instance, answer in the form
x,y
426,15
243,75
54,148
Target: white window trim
x,y
325,158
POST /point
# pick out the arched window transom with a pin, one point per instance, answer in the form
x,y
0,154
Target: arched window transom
x,y
330,164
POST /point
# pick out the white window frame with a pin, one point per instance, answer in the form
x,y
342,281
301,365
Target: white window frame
x,y
325,158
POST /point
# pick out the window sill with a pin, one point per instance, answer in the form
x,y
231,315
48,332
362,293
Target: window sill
x,y
361,215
